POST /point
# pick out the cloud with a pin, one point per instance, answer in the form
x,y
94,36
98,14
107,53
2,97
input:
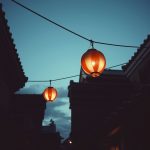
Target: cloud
x,y
60,113
62,92
38,89
63,124
31,89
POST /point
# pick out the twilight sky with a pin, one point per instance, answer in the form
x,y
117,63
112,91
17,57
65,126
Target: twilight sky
x,y
48,52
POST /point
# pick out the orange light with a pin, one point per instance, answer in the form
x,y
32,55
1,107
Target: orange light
x,y
93,62
112,148
50,94
117,147
114,131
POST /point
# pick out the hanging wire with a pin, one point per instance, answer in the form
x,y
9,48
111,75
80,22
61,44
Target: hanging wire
x,y
50,20
50,82
118,45
79,35
72,75
54,79
92,43
116,66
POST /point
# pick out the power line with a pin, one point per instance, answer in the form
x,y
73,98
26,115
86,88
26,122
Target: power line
x,y
91,41
118,45
54,79
72,75
49,20
79,35
116,65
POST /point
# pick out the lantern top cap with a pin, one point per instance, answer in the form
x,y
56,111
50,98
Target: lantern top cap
x,y
93,50
50,87
92,43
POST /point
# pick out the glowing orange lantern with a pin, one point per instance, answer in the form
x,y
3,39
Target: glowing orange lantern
x,y
50,94
93,62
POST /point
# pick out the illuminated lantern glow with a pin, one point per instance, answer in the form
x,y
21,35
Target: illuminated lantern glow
x,y
93,62
50,94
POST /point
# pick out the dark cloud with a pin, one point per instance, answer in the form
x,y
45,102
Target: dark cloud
x,y
60,113
32,89
62,92
64,126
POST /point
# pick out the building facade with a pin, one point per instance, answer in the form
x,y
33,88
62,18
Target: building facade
x,y
50,138
12,78
21,115
27,114
112,112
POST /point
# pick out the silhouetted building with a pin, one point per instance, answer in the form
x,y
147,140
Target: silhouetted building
x,y
67,144
49,137
12,78
112,112
91,102
21,114
27,114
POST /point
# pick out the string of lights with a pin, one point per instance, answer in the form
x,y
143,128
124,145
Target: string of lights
x,y
93,62
72,75
64,28
54,79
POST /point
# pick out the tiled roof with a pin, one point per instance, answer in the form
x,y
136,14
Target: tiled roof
x,y
13,66
139,50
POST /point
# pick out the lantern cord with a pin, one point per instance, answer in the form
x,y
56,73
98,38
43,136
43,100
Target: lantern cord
x,y
91,41
72,75
50,81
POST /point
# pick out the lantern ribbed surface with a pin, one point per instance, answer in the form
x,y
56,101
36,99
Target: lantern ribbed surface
x,y
50,94
93,62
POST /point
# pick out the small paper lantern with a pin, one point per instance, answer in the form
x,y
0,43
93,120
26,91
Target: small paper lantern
x,y
93,62
50,94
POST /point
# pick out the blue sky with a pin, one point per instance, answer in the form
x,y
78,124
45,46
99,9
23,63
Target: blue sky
x,y
48,52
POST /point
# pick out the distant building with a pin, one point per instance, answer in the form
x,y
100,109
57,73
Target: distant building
x,y
112,112
49,137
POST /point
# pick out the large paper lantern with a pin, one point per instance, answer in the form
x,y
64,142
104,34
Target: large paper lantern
x,y
50,94
93,62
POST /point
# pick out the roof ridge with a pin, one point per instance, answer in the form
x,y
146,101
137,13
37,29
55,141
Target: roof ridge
x,y
139,50
12,51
